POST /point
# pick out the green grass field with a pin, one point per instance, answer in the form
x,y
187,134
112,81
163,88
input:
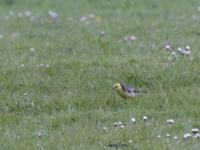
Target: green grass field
x,y
57,74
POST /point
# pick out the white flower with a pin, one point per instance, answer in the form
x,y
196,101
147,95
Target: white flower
x,y
186,52
32,49
103,33
128,38
91,16
195,130
121,126
167,135
53,15
133,120
173,53
187,136
197,136
170,121
130,141
167,47
83,18
25,94
187,47
175,138
158,136
115,124
39,133
119,123
47,65
132,38
145,118
179,49
105,129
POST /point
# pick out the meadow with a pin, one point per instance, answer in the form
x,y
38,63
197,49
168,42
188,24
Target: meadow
x,y
59,60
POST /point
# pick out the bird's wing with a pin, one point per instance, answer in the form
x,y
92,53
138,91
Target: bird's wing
x,y
129,89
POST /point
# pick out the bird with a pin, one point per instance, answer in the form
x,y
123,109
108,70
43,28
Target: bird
x,y
126,91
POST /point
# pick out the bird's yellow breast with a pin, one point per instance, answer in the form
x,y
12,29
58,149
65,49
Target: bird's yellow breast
x,y
122,94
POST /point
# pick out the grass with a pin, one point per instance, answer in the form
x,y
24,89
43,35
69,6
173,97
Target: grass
x,y
70,101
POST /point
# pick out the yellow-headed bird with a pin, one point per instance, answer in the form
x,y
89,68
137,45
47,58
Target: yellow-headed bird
x,y
126,91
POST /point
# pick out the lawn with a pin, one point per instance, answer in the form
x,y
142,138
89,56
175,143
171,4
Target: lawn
x,y
60,58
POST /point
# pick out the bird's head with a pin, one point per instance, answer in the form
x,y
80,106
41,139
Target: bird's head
x,y
117,87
